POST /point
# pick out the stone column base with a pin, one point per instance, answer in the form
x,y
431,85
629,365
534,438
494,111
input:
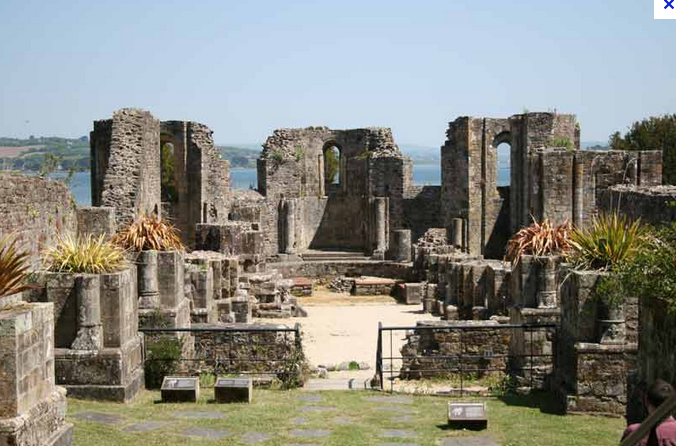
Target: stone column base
x,y
119,394
44,424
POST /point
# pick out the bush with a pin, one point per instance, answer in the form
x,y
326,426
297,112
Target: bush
x,y
561,141
651,272
93,255
608,242
539,239
13,267
162,359
149,233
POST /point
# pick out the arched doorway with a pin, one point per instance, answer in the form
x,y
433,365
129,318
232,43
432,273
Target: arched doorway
x,y
504,164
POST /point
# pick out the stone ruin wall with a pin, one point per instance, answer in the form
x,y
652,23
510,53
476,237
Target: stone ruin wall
x,y
126,170
652,204
546,182
35,210
126,164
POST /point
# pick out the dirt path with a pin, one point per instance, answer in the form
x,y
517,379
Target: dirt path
x,y
340,328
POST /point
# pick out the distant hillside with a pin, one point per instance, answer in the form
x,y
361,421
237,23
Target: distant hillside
x,y
28,154
240,156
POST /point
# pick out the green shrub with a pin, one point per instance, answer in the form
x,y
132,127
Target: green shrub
x,y
561,141
609,241
162,359
609,291
652,271
91,255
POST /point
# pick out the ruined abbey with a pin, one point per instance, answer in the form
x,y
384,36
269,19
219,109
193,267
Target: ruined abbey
x,y
441,247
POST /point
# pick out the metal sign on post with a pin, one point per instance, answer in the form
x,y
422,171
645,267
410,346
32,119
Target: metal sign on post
x,y
467,416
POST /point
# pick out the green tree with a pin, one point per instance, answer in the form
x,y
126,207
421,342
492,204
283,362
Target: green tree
x,y
332,161
168,187
654,133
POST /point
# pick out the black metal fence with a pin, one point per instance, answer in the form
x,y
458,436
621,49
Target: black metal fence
x,y
515,355
218,351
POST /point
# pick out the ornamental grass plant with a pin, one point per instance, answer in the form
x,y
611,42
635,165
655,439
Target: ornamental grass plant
x,y
539,239
149,233
91,255
13,267
609,241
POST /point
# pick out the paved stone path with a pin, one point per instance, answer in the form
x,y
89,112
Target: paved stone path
x,y
470,441
317,409
398,444
310,433
402,419
145,426
310,398
299,420
208,434
201,414
254,437
398,433
99,417
389,399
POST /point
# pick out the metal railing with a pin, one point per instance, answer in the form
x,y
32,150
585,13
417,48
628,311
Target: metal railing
x,y
262,351
521,357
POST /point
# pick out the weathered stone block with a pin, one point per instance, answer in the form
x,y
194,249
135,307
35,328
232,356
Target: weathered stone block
x,y
180,389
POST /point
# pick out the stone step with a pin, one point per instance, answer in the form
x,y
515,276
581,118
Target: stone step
x,y
333,256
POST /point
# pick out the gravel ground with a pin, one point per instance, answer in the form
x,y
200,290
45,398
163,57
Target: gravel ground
x,y
344,329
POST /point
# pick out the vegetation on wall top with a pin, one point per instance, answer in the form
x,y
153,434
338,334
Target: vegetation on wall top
x,y
89,254
540,238
149,233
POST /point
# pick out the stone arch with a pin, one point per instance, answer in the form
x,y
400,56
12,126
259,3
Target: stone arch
x,y
502,143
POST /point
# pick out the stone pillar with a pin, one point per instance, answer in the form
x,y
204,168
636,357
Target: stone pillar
x,y
290,227
381,224
242,307
148,282
90,332
578,194
547,289
401,251
457,233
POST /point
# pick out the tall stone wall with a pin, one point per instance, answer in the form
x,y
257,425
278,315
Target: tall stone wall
x,y
126,164
329,215
36,210
545,182
126,170
421,210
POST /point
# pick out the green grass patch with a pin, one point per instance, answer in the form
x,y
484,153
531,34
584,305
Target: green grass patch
x,y
513,420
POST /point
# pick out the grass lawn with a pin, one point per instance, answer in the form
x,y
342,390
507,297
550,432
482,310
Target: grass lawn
x,y
351,420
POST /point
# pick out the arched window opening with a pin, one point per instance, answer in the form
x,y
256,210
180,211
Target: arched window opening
x,y
332,165
168,180
504,164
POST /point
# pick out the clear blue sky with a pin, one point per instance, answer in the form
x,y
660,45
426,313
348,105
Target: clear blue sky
x,y
247,67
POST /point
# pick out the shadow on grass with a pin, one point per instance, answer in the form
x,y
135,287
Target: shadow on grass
x,y
546,402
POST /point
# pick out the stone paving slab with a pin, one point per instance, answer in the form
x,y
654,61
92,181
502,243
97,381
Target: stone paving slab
x,y
317,409
470,441
402,419
208,434
398,444
299,420
145,426
398,409
254,437
310,433
344,420
199,414
398,433
310,398
99,417
389,399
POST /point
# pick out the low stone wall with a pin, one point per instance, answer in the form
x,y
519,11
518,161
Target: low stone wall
x,y
373,287
601,385
316,269
650,204
269,352
442,351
